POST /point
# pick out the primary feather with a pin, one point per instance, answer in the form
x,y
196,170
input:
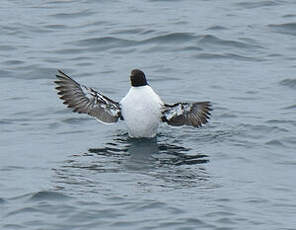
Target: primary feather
x,y
86,100
194,114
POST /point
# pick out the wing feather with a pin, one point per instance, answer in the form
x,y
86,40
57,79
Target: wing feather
x,y
83,99
192,114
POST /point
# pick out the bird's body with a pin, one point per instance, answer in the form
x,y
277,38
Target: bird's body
x,y
141,109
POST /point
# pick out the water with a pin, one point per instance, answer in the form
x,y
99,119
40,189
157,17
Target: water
x,y
60,170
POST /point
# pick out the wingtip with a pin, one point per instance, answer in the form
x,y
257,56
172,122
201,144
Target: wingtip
x,y
59,79
62,75
209,105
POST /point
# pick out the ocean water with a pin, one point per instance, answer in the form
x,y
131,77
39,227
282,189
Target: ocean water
x,y
60,170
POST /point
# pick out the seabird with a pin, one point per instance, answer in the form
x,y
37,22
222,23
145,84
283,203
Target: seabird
x,y
141,108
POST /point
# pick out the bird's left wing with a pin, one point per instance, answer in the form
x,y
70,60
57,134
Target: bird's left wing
x,y
83,99
192,114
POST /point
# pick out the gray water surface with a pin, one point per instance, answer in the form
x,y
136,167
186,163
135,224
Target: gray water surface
x,y
60,170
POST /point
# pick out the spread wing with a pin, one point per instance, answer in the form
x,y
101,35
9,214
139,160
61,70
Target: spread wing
x,y
193,114
86,100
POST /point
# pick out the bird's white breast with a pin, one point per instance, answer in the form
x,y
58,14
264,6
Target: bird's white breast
x,y
141,110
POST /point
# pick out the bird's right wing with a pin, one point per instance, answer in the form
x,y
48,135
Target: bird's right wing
x,y
86,100
193,114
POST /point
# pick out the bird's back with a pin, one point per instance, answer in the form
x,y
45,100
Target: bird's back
x,y
141,110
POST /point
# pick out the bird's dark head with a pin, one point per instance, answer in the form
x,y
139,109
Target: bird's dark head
x,y
138,78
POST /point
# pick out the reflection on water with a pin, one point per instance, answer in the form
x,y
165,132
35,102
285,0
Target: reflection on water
x,y
151,151
172,164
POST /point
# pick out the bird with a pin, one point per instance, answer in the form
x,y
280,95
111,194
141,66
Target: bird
x,y
141,109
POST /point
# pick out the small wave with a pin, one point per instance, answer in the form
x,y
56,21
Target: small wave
x,y
191,160
179,222
246,98
34,72
164,0
209,56
289,82
5,122
105,43
13,226
290,140
2,201
257,200
291,107
23,210
228,115
256,4
13,62
7,48
72,132
289,16
170,154
217,28
190,48
56,26
284,121
82,13
275,143
151,205
108,151
170,38
211,40
5,74
108,42
286,28
220,213
133,31
69,51
11,168
287,163
75,120
48,195
263,128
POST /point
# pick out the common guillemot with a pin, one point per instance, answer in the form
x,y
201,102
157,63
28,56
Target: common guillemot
x,y
141,108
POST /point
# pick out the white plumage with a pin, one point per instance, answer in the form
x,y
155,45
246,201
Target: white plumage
x,y
141,109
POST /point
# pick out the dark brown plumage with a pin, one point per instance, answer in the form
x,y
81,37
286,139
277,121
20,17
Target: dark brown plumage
x,y
86,100
193,114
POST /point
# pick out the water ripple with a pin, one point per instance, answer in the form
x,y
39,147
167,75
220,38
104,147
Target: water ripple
x,y
13,226
48,195
170,38
217,28
78,14
289,83
275,143
7,48
252,5
230,56
210,40
285,28
2,201
22,211
105,42
162,161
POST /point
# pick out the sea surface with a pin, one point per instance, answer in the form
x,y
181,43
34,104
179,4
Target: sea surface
x,y
65,171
